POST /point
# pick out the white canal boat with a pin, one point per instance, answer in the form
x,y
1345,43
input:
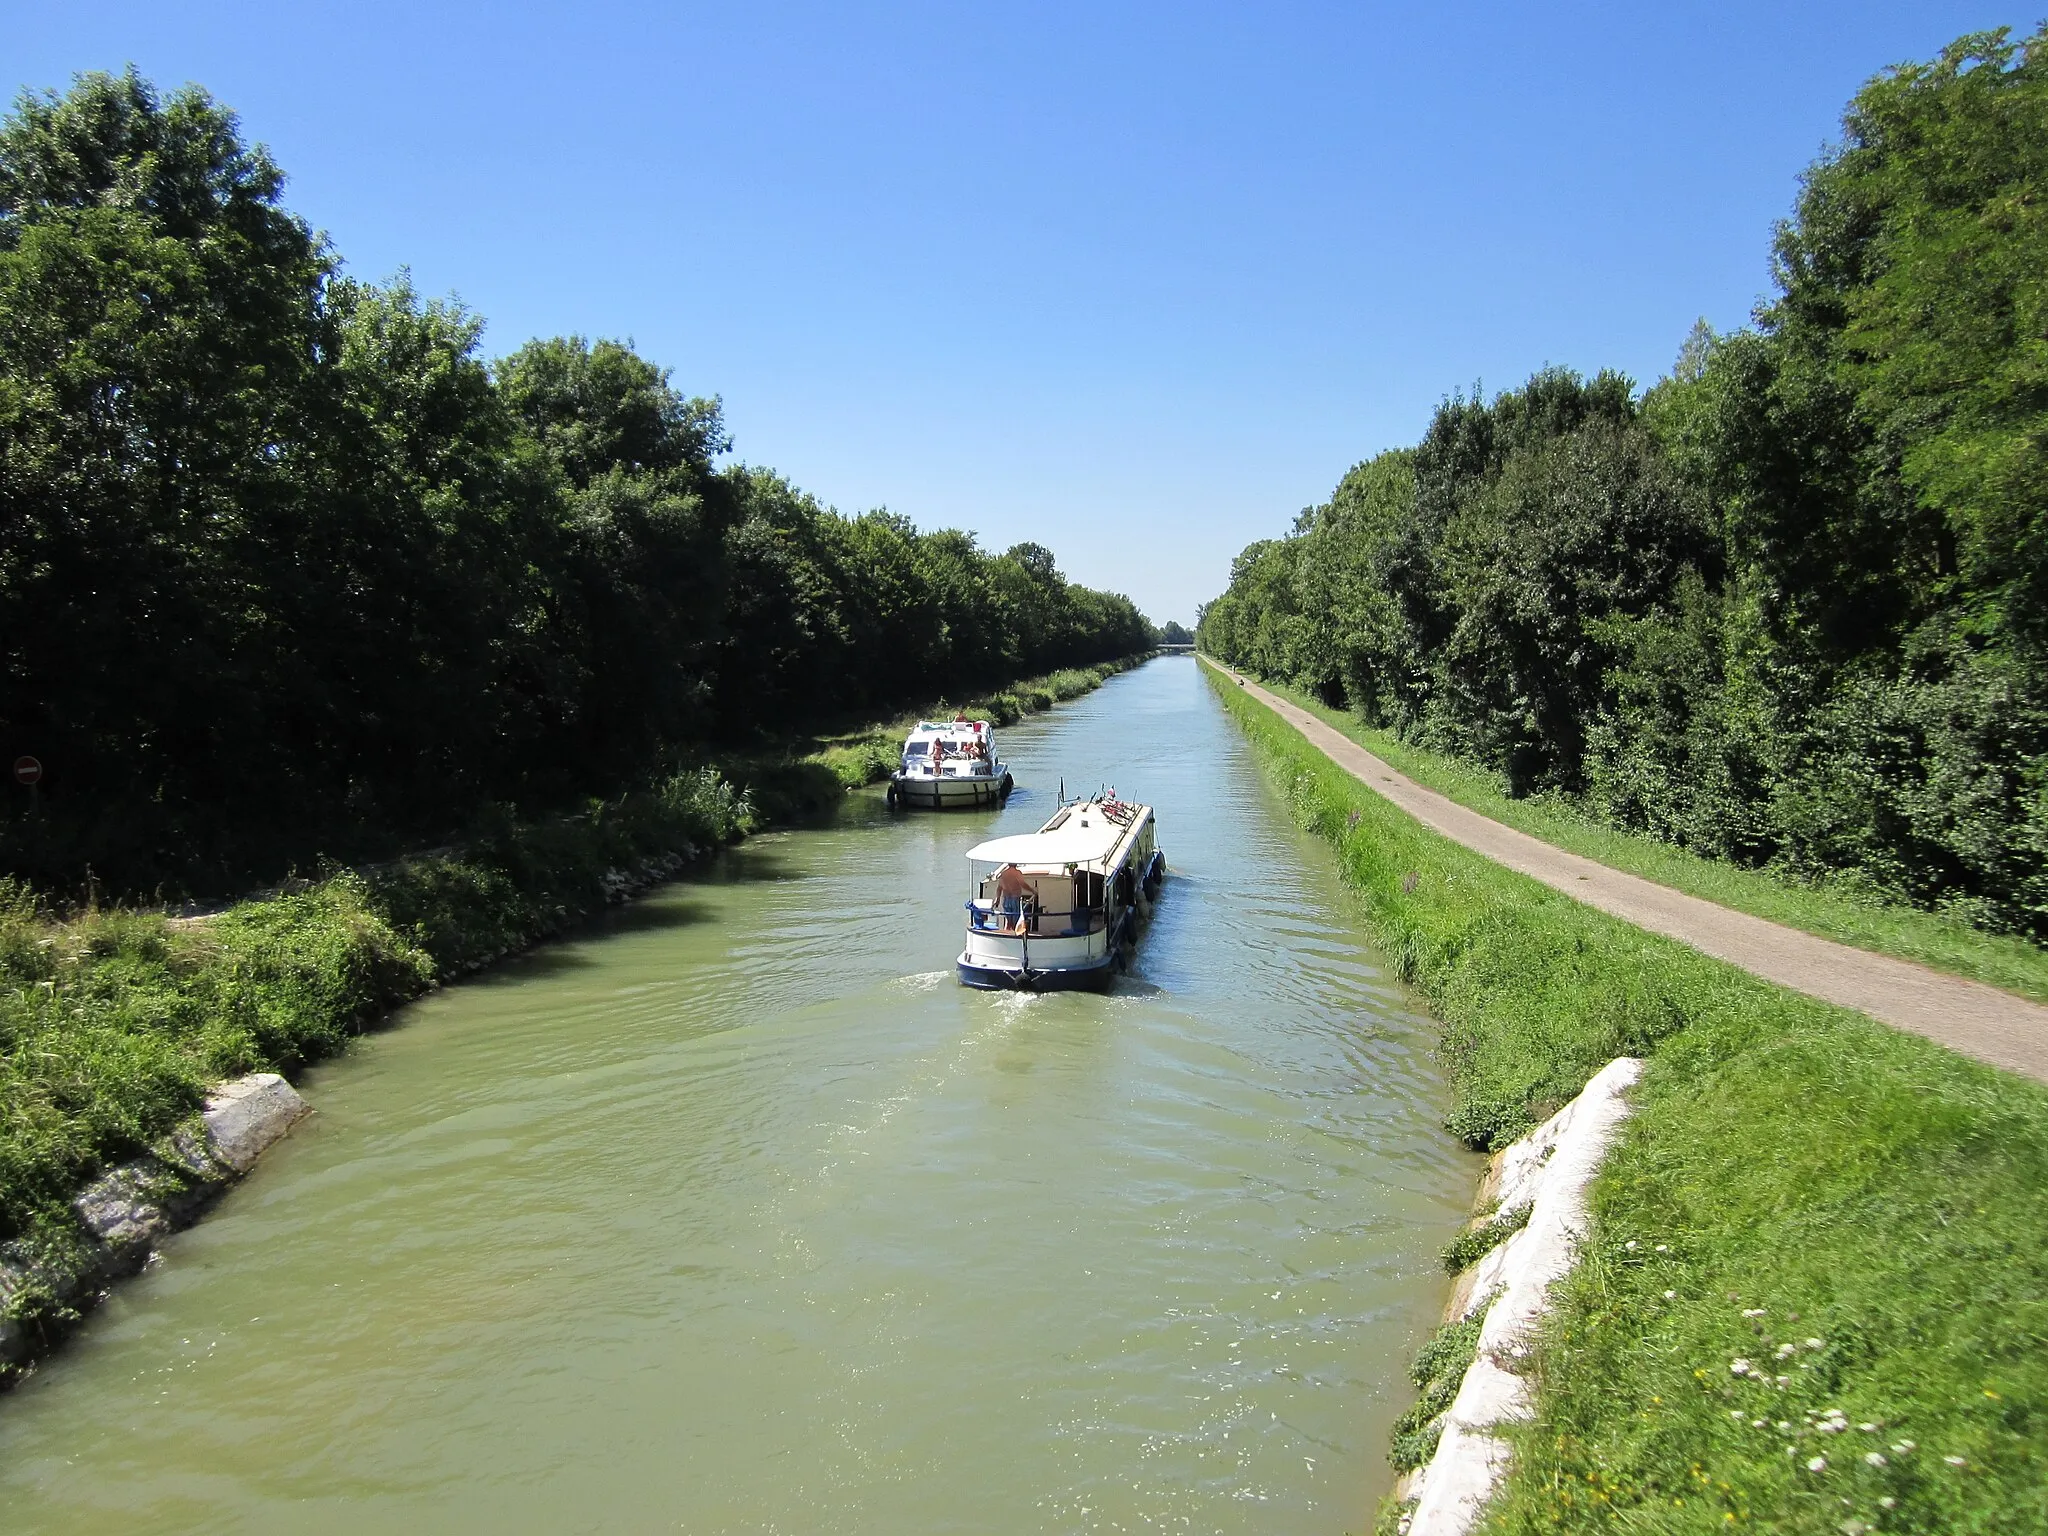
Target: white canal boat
x,y
1060,907
948,765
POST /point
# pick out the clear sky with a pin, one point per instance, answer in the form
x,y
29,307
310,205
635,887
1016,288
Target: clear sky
x,y
1135,282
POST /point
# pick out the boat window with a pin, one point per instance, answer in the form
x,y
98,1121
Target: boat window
x,y
916,748
1055,893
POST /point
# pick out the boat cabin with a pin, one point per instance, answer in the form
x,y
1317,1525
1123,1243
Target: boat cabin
x,y
948,764
1060,906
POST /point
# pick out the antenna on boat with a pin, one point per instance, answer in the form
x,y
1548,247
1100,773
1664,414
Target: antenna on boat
x,y
1063,789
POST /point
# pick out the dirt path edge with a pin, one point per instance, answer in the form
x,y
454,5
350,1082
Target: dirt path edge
x,y
1967,1016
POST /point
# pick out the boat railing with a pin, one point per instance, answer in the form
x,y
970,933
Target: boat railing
x,y
1031,921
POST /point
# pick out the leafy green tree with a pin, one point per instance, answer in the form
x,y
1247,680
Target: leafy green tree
x,y
639,573
1791,605
160,329
601,408
288,571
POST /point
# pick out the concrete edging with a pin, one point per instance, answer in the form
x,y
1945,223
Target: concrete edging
x,y
1548,1171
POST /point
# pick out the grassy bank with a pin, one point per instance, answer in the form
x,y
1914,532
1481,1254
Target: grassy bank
x,y
1809,1216
1838,908
113,1023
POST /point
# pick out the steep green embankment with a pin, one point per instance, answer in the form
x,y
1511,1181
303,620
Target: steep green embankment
x,y
1812,1220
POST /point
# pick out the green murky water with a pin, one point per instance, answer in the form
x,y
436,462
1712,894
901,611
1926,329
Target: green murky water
x,y
738,1214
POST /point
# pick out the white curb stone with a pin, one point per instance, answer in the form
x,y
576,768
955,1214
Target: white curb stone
x,y
1548,1170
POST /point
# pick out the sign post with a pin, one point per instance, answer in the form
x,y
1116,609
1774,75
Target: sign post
x,y
29,771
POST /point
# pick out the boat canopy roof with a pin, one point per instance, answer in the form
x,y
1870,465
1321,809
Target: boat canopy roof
x,y
949,728
1078,839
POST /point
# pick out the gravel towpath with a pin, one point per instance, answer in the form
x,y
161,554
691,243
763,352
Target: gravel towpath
x,y
1967,1016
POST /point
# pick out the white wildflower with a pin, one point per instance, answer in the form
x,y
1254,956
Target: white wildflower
x,y
1815,1344
1738,1367
1887,1502
1753,1312
1671,1295
1817,1464
1875,1458
1630,1245
1903,1447
1784,1426
1955,1461
1735,1413
1786,1349
1663,1247
1756,1423
1868,1429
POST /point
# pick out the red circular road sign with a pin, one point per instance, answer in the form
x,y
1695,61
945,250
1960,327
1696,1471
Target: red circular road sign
x,y
27,770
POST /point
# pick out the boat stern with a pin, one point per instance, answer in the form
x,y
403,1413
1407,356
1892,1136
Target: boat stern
x,y
992,975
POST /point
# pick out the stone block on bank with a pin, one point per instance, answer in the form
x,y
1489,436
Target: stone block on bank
x,y
245,1116
120,1209
126,1211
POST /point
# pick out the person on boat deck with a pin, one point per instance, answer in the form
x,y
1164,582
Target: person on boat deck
x,y
1012,891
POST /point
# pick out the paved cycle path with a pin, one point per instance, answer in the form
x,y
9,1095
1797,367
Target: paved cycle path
x,y
1967,1016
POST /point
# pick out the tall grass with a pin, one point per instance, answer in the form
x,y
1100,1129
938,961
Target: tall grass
x,y
114,1023
1810,1221
510,883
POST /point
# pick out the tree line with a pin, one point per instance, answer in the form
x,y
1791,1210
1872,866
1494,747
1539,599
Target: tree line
x,y
287,567
1789,605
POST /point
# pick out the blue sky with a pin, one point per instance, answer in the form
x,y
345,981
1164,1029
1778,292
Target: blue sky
x,y
1135,282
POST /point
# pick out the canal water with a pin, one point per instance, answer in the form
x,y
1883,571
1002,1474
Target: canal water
x,y
736,1213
